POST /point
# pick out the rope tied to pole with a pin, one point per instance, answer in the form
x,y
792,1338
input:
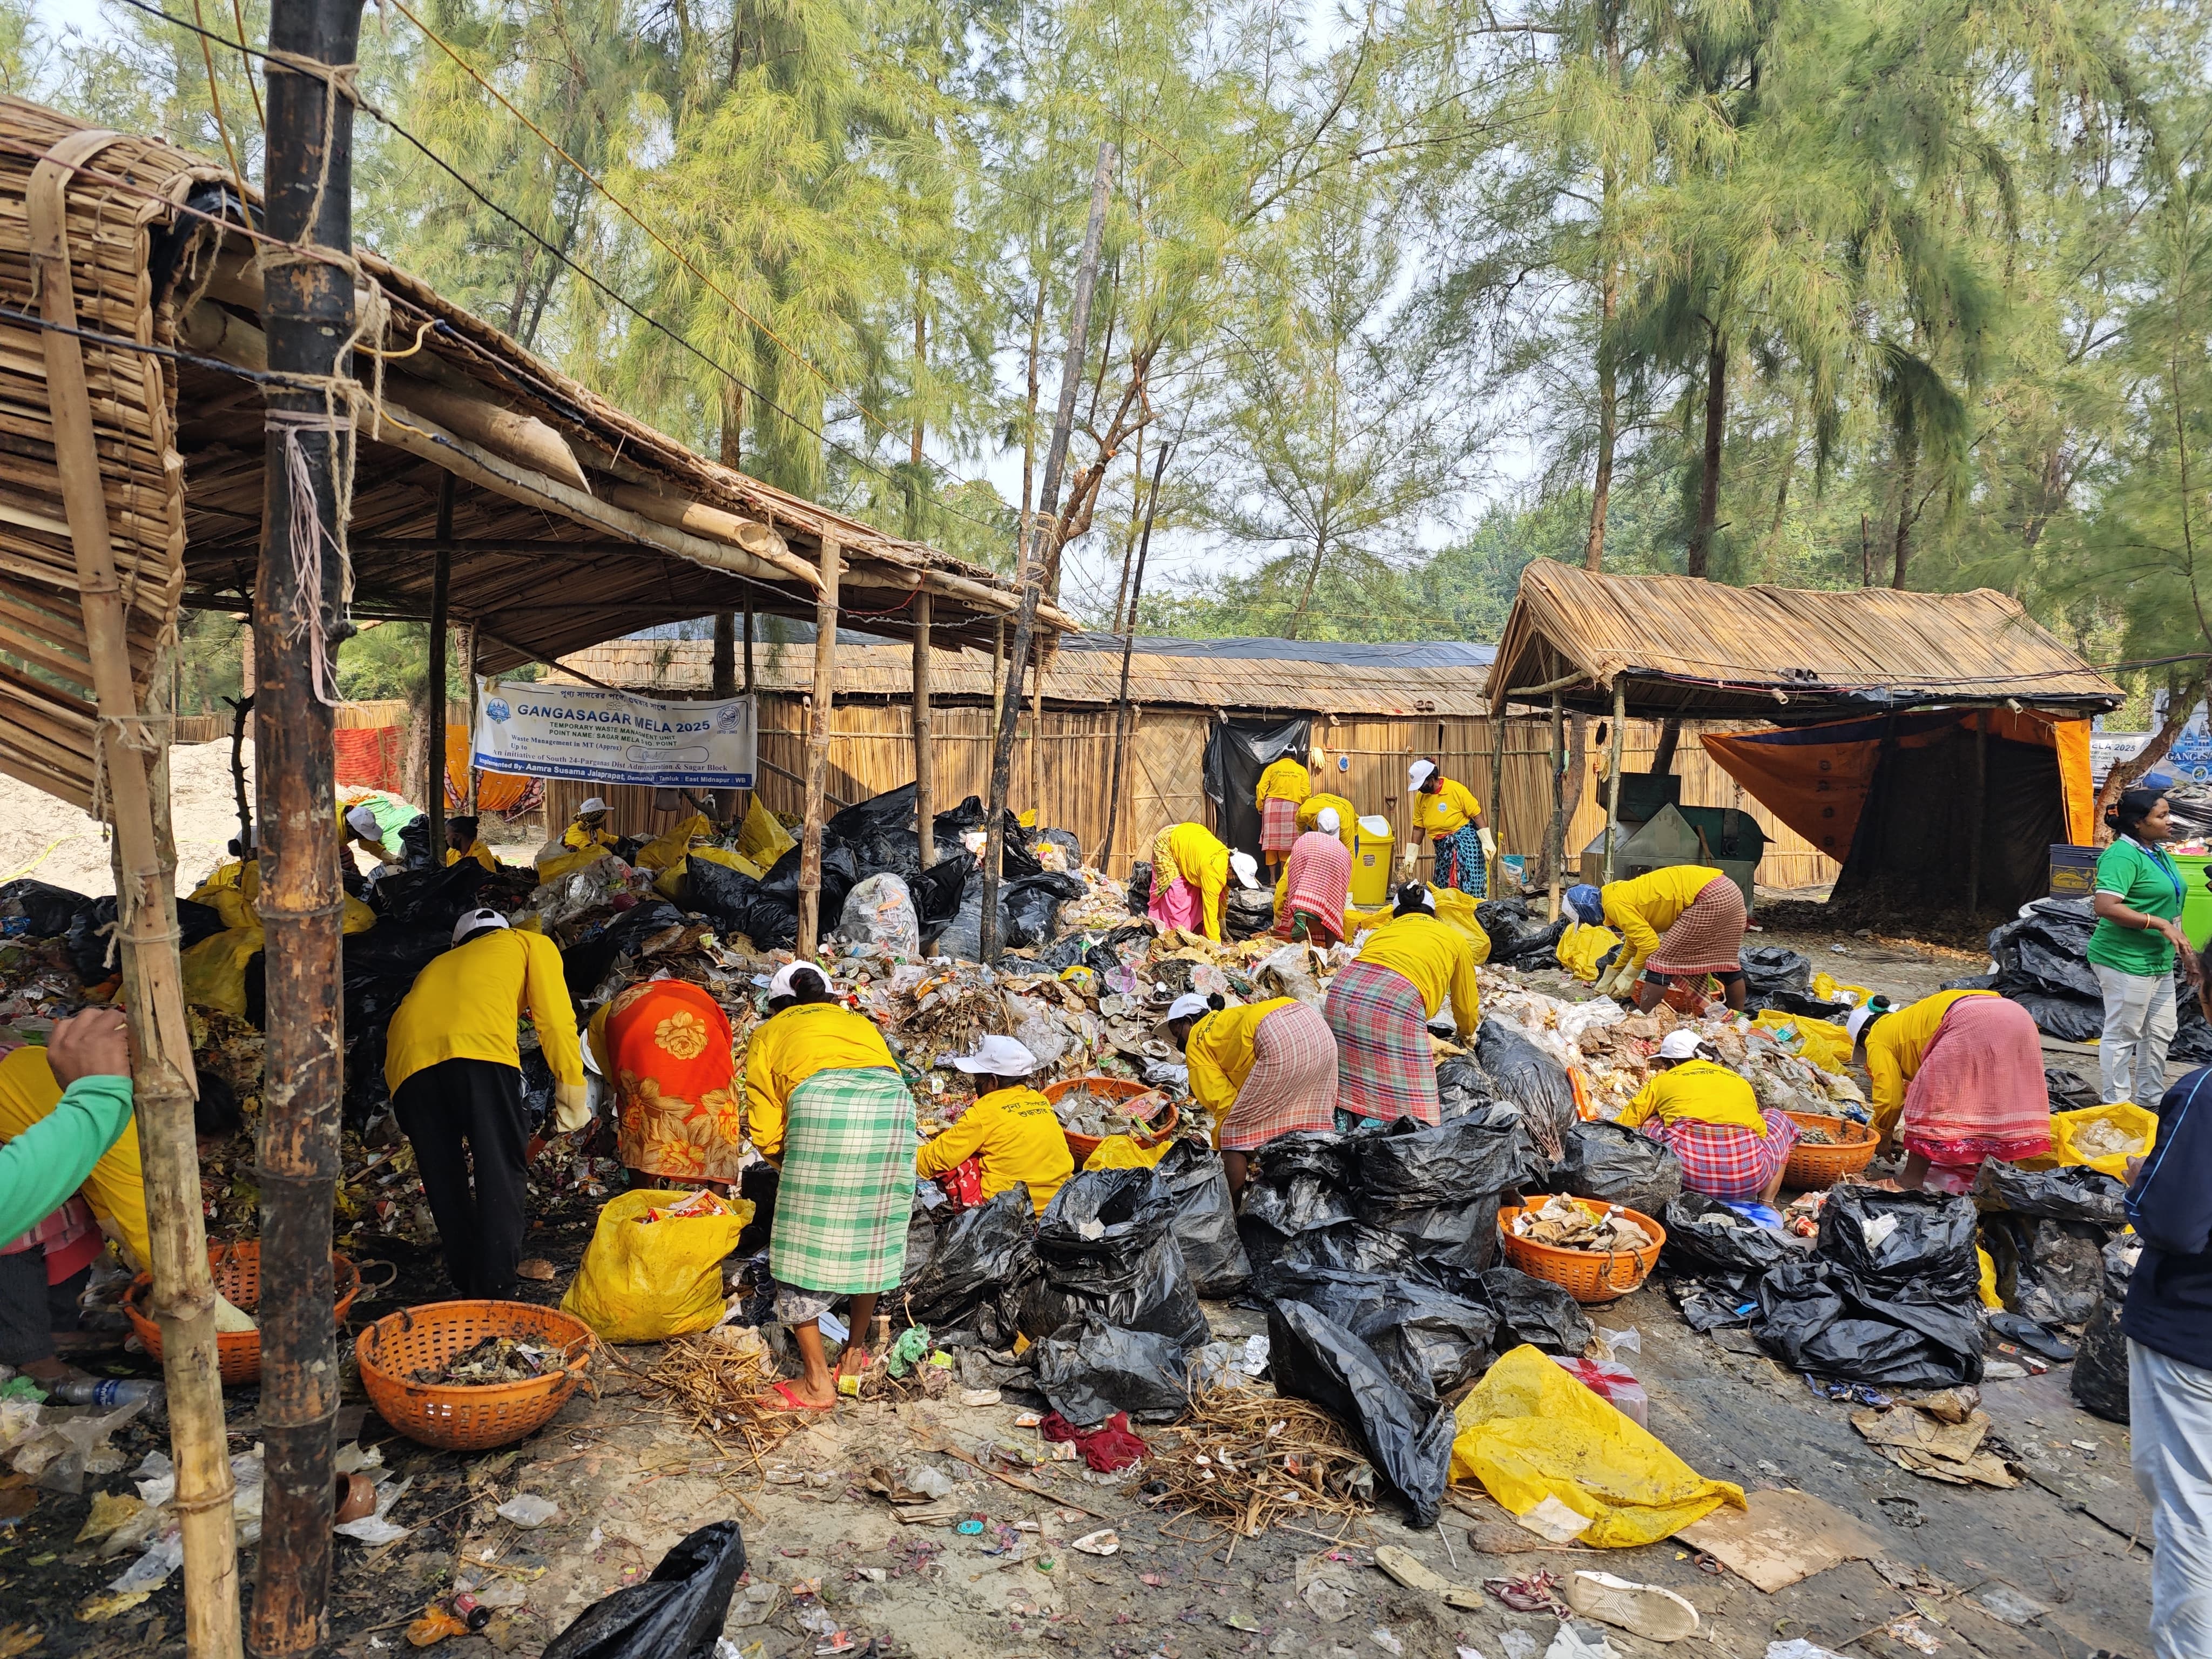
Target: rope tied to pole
x,y
307,539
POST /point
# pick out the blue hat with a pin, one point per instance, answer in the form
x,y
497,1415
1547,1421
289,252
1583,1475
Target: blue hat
x,y
1582,899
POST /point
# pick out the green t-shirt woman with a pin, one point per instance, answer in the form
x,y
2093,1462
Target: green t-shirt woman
x,y
2133,947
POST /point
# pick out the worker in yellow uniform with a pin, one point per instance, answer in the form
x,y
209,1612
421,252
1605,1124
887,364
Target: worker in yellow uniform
x,y
1190,878
1011,1130
1730,1146
589,828
455,1073
1262,1070
1347,820
1379,1009
1284,786
1684,921
462,841
1447,812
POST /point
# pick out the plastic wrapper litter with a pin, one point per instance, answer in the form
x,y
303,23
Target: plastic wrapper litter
x,y
2073,1194
879,915
1106,1250
966,1265
1408,1440
1614,1165
2100,1379
1089,1371
1534,1311
1430,1339
1819,1317
1205,1219
676,1614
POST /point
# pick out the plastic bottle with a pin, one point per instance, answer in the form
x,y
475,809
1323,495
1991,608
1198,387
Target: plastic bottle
x,y
108,1392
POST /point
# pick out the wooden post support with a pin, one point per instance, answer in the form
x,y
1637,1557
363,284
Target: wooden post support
x,y
1497,785
924,757
723,684
817,755
749,686
1977,814
1036,737
308,313
442,584
1613,773
1555,833
1129,646
469,668
163,1082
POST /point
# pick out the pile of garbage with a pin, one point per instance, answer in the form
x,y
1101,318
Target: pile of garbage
x,y
1565,1225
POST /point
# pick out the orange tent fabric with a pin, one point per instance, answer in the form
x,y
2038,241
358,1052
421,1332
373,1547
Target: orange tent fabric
x,y
496,792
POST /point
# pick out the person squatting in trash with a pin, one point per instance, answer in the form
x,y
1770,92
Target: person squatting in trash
x,y
1379,1006
462,841
664,1049
2133,947
824,1102
1730,1146
1190,878
1958,1076
1681,922
1283,788
1262,1069
588,829
1446,811
1011,1130
1317,884
2167,1320
455,1073
44,1272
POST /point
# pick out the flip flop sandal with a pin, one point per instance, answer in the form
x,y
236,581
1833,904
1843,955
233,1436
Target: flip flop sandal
x,y
791,1403
2030,1335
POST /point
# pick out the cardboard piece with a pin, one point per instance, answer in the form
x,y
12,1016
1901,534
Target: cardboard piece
x,y
1781,1538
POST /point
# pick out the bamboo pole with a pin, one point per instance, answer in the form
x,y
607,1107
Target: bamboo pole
x,y
163,1083
722,681
1498,784
924,757
1036,736
307,312
817,756
1613,773
1555,833
1128,649
442,583
475,691
1977,815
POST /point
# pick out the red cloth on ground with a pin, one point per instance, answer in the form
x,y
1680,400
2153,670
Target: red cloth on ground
x,y
1980,1091
1109,1447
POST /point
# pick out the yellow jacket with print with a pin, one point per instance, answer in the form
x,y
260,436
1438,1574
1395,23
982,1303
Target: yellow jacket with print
x,y
1436,958
1700,1091
1286,779
1451,808
576,838
465,1005
1642,909
1015,1135
1894,1048
116,1188
1219,1052
476,850
1190,850
788,1048
1347,819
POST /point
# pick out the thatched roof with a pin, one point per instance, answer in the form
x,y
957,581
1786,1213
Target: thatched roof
x,y
1441,677
572,521
1686,646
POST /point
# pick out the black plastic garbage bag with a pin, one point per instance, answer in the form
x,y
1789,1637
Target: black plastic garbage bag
x,y
537,1087
1519,938
2069,1092
415,851
1919,1246
840,871
2045,948
937,892
1704,1232
1140,887
1015,860
1431,1339
1534,1311
44,909
2068,1018
969,1259
1205,1219
1409,1439
1463,1086
2100,1379
1070,848
2073,1194
1028,909
1768,969
1091,1370
1345,1247
89,939
1616,1165
423,897
1818,1315
1438,1188
1525,1075
1106,1249
676,1614
584,963
2048,1270
1299,1180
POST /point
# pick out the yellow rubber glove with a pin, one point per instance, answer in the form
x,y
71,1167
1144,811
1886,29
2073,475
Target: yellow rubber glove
x,y
1410,857
572,1106
1489,843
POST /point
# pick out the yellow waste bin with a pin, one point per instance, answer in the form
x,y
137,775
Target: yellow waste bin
x,y
1371,863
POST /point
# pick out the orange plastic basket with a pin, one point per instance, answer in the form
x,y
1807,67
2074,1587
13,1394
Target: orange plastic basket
x,y
1586,1275
1811,1168
1113,1088
237,1272
451,1416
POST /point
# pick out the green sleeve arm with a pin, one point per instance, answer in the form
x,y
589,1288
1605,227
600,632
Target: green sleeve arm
x,y
41,1167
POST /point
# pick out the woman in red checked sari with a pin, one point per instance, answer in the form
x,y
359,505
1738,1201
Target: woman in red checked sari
x,y
663,1047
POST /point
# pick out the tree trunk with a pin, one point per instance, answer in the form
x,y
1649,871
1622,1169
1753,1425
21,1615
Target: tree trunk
x,y
1306,594
1901,551
723,681
2179,706
1709,482
734,424
1608,390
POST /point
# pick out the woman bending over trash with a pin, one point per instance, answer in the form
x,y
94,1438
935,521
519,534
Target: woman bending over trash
x,y
1731,1147
1958,1076
1262,1070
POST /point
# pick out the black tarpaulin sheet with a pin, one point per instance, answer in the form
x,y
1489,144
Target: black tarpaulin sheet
x,y
1237,752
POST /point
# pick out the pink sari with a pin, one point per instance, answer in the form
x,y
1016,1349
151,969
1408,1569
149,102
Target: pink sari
x,y
1178,904
1979,1092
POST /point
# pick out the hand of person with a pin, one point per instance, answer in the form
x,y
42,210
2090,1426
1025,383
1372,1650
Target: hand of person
x,y
1410,857
572,1106
2134,1169
95,1043
1489,843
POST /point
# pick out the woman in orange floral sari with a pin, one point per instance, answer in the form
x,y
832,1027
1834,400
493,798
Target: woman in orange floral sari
x,y
663,1047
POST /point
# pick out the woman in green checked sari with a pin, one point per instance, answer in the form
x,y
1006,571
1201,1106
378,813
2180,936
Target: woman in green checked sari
x,y
825,1101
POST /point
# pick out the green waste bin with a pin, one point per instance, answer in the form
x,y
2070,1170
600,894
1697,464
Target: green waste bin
x,y
2197,896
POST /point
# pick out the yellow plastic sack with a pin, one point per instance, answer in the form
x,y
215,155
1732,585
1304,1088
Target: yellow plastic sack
x,y
1991,1299
1827,986
737,861
671,844
215,968
1581,946
562,863
1456,909
1827,1044
2067,1127
646,1281
669,883
1120,1152
761,837
1537,1439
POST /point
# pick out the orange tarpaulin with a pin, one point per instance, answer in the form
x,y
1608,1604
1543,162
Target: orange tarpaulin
x,y
496,792
369,755
1816,778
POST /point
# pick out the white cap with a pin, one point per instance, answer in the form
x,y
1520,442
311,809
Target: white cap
x,y
1246,868
592,804
363,822
1189,1006
782,984
1002,1057
1326,820
1420,772
1679,1045
472,921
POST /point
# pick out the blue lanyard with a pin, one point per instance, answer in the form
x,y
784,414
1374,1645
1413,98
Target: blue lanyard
x,y
2164,867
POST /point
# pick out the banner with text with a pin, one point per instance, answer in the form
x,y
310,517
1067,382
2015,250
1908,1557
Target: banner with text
x,y
615,736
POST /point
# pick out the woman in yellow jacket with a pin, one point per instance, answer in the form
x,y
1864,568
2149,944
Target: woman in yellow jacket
x,y
1447,812
1284,787
1264,1069
1347,819
1011,1130
1378,1010
825,1101
1681,922
1957,1078
1730,1146
1190,877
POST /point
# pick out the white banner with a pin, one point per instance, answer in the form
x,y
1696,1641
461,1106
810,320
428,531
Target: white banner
x,y
615,736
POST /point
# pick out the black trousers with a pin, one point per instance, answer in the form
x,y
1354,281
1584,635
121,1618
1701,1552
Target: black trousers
x,y
32,1310
456,1112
